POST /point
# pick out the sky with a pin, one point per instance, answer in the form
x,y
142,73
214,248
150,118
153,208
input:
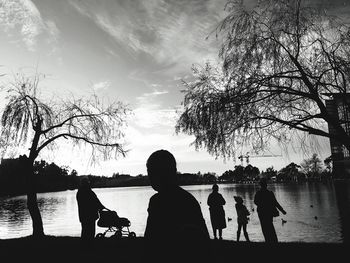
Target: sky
x,y
133,51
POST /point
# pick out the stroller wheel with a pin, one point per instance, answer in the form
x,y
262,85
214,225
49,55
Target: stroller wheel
x,y
118,234
132,235
100,235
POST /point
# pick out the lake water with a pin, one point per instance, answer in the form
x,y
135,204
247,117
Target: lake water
x,y
303,202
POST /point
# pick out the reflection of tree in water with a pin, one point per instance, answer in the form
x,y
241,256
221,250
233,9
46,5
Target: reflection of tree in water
x,y
50,206
343,202
294,195
14,211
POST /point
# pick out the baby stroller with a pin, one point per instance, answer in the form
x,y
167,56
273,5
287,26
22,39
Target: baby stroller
x,y
114,224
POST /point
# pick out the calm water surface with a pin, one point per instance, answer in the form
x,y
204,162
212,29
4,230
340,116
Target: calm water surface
x,y
302,202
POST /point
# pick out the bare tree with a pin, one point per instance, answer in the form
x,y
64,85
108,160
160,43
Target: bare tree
x,y
27,119
280,62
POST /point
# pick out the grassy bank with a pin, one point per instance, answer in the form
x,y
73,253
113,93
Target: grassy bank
x,y
71,249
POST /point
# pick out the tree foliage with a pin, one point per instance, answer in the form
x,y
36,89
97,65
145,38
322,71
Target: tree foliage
x,y
48,176
312,166
290,173
28,119
269,173
279,60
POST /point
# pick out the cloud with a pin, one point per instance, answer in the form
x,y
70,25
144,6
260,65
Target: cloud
x,y
172,33
102,85
23,17
149,112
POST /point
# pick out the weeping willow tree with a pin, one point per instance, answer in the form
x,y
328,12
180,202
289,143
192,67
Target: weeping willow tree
x,y
281,60
28,120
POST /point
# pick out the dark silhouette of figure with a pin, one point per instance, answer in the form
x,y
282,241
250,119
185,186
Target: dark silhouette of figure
x,y
173,213
242,217
217,213
88,207
267,206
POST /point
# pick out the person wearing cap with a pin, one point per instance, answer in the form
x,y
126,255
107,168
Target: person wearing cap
x,y
217,213
267,206
242,217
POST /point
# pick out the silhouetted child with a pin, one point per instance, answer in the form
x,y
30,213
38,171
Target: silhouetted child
x,y
242,217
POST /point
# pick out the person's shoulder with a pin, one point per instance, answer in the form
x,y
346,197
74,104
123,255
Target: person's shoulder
x,y
271,193
186,195
154,198
153,202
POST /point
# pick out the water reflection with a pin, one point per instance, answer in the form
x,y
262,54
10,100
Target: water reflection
x,y
302,202
13,210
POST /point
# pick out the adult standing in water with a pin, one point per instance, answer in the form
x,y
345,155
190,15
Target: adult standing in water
x,y
88,207
217,213
173,213
267,206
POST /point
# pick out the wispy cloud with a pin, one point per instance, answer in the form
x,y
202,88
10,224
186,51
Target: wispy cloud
x,y
102,85
168,32
149,112
23,16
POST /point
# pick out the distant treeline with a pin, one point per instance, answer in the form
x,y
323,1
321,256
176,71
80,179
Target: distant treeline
x,y
50,178
311,169
122,180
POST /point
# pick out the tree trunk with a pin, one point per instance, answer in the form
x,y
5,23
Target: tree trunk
x,y
38,229
342,191
32,202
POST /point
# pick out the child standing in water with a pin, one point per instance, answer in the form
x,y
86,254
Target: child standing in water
x,y
242,217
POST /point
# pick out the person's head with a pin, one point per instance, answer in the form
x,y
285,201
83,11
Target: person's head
x,y
85,183
263,183
161,169
238,199
215,188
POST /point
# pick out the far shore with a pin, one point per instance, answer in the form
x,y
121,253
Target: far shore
x,y
71,249
101,186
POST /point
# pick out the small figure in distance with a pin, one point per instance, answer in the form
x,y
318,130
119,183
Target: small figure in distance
x,y
242,217
173,213
267,206
88,207
217,213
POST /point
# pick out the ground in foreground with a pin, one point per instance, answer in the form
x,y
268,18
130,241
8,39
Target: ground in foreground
x,y
71,249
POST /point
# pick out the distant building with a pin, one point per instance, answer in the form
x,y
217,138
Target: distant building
x,y
339,108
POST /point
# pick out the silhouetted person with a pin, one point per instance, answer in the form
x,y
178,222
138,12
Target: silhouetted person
x,y
173,213
217,213
88,207
242,217
267,206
